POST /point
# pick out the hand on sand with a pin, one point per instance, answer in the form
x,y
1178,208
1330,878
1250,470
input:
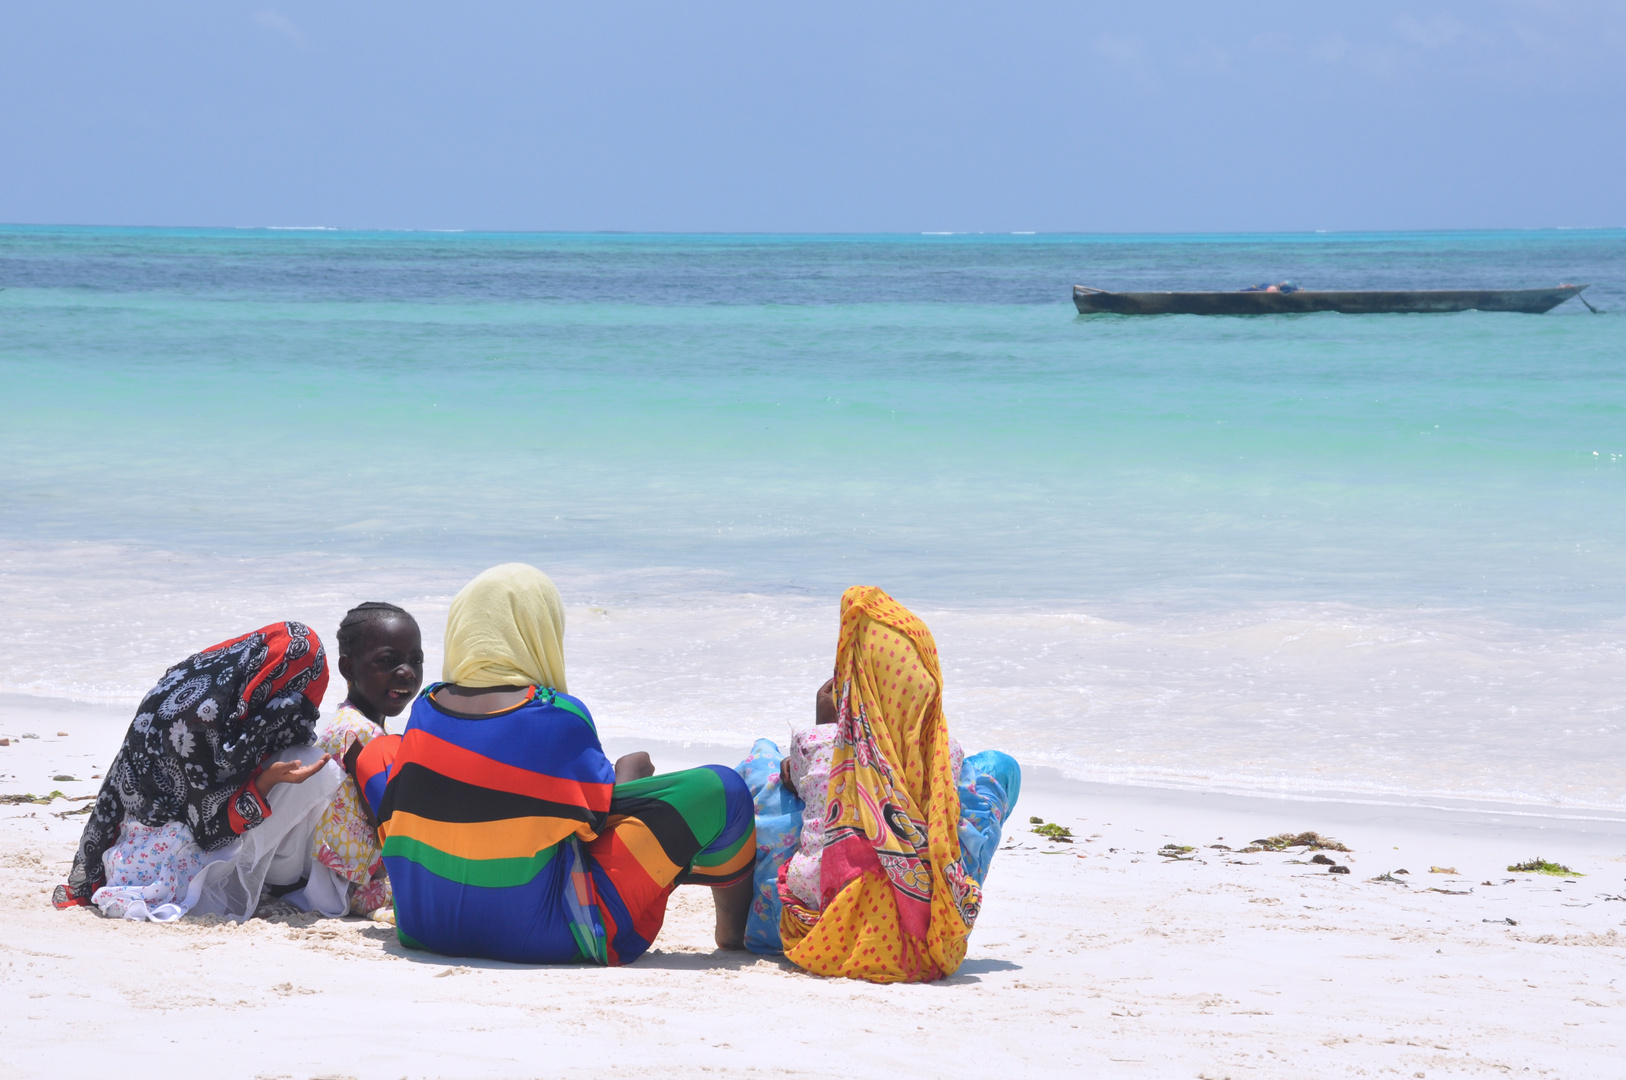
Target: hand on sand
x,y
288,772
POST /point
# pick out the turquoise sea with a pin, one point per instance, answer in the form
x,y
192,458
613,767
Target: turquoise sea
x,y
1371,555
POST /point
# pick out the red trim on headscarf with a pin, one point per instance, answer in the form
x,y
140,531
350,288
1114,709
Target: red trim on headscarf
x,y
277,641
240,824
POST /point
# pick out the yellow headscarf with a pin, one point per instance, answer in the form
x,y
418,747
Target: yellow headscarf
x,y
506,628
897,905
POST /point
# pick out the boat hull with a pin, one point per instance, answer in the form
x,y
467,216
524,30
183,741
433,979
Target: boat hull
x,y
1532,301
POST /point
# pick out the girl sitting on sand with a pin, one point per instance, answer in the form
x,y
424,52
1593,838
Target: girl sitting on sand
x,y
507,832
381,659
210,797
875,832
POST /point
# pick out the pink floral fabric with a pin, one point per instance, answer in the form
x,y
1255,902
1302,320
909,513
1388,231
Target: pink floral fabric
x,y
345,840
147,869
811,752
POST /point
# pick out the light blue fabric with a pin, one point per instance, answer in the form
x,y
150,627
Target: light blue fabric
x,y
779,830
989,784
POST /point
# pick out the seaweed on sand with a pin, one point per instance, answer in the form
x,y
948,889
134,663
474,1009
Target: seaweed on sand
x,y
1538,865
1060,833
41,800
1177,852
1312,841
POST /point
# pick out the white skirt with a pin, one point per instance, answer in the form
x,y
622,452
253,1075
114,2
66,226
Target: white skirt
x,y
160,874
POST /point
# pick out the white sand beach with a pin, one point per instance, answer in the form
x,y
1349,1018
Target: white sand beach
x,y
530,370
1092,958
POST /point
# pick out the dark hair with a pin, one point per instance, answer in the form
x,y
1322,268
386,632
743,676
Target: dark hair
x,y
358,618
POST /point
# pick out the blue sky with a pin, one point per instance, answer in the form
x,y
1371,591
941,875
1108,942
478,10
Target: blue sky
x,y
829,117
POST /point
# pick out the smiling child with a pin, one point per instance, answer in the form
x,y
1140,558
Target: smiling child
x,y
381,659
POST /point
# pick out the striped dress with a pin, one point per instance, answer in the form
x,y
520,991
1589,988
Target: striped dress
x,y
506,836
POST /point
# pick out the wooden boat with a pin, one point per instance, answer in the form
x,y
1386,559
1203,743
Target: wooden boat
x,y
1534,301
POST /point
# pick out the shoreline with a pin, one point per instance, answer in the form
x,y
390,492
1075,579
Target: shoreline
x,y
1321,700
1054,780
1334,803
1098,954
1431,831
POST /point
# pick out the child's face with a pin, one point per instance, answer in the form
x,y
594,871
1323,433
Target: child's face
x,y
387,668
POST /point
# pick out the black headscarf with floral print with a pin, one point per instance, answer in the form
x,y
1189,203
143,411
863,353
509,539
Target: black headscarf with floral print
x,y
197,738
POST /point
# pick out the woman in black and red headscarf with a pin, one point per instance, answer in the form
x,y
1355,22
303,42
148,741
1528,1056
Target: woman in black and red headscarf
x,y
197,752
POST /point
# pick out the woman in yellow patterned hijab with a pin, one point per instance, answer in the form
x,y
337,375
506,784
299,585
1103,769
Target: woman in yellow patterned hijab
x,y
896,902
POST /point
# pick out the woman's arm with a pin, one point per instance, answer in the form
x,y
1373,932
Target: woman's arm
x,y
229,811
824,712
287,772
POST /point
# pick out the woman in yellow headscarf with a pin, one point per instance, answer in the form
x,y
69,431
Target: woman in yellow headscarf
x,y
897,903
506,628
506,831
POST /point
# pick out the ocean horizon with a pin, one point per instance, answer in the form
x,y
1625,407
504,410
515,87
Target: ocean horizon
x,y
1360,555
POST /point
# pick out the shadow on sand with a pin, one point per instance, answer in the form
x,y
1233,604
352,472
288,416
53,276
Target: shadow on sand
x,y
656,959
971,970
